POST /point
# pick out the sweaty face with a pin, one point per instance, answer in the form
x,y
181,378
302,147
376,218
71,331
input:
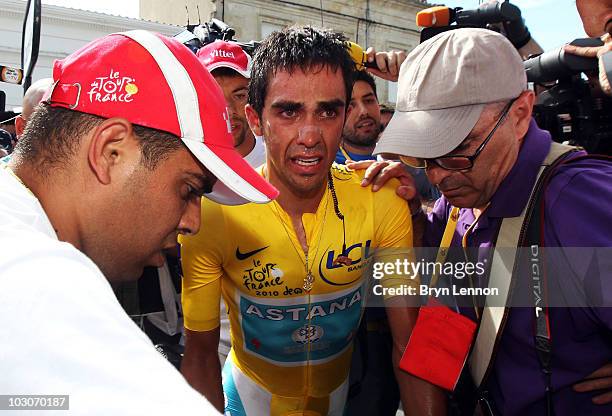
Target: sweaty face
x,y
147,215
302,123
596,16
362,125
475,187
235,90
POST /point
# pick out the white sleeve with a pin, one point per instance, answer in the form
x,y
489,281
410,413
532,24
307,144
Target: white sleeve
x,y
64,332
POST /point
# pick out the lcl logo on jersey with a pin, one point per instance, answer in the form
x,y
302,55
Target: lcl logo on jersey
x,y
353,252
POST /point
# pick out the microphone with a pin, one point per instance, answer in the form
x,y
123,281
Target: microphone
x,y
502,14
359,56
437,16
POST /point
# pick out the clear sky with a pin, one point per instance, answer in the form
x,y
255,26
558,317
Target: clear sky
x,y
127,8
551,22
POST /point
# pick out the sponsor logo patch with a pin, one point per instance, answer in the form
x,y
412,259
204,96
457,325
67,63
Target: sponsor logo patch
x,y
112,88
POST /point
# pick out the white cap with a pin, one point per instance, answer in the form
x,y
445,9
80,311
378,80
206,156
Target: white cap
x,y
444,84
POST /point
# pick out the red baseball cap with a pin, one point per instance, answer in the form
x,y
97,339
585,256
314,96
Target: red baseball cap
x,y
156,82
222,54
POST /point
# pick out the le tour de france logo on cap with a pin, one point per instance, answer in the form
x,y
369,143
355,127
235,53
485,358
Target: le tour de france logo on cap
x,y
113,88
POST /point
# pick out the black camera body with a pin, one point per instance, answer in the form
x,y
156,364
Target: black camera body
x,y
197,36
503,14
573,109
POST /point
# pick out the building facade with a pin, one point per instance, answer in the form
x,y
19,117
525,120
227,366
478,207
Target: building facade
x,y
63,31
177,12
382,24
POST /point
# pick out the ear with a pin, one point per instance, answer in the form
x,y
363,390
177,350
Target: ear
x,y
19,126
113,149
521,112
254,120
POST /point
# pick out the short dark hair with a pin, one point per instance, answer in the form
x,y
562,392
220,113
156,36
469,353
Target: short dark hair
x,y
52,136
298,47
224,71
366,77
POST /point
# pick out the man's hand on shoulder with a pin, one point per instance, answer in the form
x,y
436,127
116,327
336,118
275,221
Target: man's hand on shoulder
x,y
377,174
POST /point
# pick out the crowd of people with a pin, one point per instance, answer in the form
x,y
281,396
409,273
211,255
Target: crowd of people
x,y
276,180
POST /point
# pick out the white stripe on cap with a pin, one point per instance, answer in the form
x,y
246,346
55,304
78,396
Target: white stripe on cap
x,y
226,174
188,114
179,81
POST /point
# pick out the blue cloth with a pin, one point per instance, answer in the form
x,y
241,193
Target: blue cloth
x,y
341,159
233,403
578,214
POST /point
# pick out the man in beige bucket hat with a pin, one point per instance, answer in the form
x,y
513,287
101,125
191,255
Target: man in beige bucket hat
x,y
464,114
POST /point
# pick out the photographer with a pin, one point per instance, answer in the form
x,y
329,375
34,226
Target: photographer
x,y
489,192
596,17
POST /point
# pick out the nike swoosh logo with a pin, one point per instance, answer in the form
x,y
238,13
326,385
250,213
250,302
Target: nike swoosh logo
x,y
244,256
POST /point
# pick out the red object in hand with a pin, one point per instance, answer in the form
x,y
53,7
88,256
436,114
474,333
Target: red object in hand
x,y
438,346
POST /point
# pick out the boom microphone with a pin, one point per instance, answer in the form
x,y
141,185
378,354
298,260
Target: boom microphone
x,y
437,16
438,19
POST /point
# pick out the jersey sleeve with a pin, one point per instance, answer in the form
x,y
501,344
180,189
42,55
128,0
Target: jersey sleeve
x,y
393,234
202,264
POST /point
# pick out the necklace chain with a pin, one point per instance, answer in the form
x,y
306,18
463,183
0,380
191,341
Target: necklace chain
x,y
309,277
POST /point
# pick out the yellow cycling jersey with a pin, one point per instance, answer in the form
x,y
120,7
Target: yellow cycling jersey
x,y
292,342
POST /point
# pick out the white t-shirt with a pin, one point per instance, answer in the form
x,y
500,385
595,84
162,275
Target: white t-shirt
x,y
255,158
63,331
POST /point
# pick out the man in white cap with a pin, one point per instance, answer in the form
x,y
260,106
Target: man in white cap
x,y
464,114
110,170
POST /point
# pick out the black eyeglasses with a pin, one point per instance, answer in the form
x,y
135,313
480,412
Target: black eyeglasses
x,y
457,162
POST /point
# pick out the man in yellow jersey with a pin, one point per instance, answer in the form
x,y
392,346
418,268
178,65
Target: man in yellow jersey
x,y
292,273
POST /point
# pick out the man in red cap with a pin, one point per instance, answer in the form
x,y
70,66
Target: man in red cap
x,y
110,170
230,65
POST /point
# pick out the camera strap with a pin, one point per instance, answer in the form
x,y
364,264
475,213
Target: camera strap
x,y
534,238
502,276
